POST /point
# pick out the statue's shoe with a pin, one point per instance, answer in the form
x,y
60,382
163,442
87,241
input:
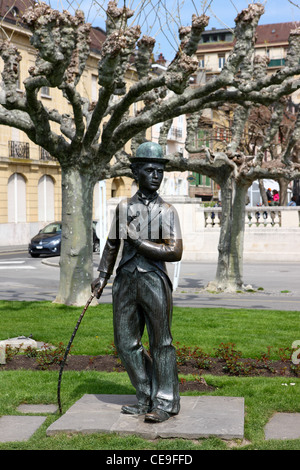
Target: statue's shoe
x,y
139,409
157,416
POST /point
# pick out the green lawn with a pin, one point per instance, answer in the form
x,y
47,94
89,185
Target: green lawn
x,y
252,331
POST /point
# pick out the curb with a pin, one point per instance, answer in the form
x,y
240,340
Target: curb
x,y
50,263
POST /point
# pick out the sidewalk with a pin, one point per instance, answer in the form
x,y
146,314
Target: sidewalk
x,y
13,248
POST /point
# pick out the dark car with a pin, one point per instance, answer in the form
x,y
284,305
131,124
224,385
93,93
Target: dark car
x,y
48,241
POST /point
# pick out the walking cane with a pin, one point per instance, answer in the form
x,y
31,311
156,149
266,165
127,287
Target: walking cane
x,y
68,349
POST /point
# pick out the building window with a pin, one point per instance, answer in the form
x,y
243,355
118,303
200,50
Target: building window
x,y
45,92
175,133
16,195
201,62
202,138
117,187
15,12
46,199
221,60
201,180
94,88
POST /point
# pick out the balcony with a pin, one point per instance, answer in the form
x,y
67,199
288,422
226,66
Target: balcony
x,y
18,149
46,156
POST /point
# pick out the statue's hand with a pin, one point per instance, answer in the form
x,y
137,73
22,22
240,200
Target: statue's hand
x,y
98,285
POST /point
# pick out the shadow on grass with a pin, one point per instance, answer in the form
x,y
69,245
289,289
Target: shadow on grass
x,y
105,387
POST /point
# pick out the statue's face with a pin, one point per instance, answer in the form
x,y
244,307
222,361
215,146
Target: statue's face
x,y
150,176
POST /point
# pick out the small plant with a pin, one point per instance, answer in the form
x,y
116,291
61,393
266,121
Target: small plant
x,y
203,362
49,356
227,351
285,354
31,352
265,360
182,354
112,350
91,360
10,352
232,357
199,379
196,355
237,367
295,368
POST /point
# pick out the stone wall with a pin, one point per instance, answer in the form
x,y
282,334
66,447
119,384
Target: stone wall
x,y
274,235
271,233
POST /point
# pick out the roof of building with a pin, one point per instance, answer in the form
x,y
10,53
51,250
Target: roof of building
x,y
98,37
12,10
275,33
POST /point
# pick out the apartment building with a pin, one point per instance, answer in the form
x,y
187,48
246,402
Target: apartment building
x,y
216,44
30,179
213,51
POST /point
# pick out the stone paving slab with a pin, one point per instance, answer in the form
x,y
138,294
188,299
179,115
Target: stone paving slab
x,y
40,408
19,428
283,426
200,416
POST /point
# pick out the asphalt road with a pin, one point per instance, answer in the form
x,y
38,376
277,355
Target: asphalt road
x,y
31,279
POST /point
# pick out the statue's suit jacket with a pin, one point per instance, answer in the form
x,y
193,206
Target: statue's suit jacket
x,y
158,237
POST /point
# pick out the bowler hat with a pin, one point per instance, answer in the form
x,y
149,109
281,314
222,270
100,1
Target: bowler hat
x,y
149,152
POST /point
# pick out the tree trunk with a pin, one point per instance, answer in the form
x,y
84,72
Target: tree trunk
x,y
76,261
263,193
229,276
283,195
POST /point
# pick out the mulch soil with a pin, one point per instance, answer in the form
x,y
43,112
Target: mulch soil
x,y
110,363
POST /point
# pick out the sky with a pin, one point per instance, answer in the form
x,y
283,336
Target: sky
x,y
164,25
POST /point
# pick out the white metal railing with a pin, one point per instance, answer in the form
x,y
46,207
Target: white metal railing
x,y
256,217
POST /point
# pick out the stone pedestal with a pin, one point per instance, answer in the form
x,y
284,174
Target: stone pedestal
x,y
200,416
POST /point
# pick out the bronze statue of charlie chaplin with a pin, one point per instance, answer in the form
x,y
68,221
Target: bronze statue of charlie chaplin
x,y
142,291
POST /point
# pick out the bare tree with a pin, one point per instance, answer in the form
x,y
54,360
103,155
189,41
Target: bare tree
x,y
97,132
